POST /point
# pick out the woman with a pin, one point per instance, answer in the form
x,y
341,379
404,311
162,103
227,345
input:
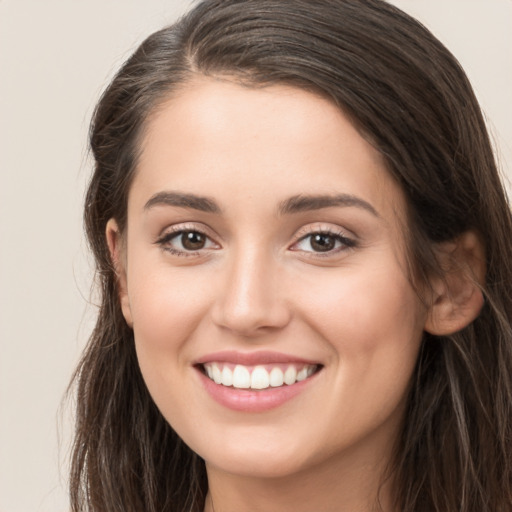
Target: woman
x,y
303,250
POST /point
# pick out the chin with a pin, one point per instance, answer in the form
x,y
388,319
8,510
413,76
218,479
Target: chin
x,y
261,458
257,465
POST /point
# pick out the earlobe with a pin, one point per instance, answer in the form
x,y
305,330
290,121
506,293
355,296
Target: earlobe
x,y
457,295
115,245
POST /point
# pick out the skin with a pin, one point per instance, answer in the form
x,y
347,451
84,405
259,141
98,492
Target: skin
x,y
259,284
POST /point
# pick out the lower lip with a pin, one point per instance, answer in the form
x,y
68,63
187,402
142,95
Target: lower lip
x,y
246,400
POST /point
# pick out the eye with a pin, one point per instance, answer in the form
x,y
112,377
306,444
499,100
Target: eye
x,y
186,242
323,242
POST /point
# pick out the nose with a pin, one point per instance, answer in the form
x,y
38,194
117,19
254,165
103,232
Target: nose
x,y
250,300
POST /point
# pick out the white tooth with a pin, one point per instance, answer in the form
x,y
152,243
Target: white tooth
x,y
311,370
209,372
241,377
276,377
217,374
259,378
227,376
302,374
290,375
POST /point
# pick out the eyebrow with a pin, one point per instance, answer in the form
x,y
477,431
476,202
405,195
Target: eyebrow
x,y
182,200
294,204
303,203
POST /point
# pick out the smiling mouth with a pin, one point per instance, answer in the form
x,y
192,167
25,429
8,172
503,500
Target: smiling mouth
x,y
258,377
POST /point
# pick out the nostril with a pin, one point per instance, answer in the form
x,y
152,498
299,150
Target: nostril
x,y
251,321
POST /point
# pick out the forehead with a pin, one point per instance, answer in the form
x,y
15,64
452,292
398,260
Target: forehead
x,y
217,137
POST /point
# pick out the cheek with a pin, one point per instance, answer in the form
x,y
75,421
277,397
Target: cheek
x,y
163,298
367,302
372,321
166,309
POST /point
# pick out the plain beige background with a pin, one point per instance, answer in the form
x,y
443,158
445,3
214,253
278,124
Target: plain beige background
x,y
55,59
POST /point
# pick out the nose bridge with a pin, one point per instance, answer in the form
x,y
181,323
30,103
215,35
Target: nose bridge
x,y
251,300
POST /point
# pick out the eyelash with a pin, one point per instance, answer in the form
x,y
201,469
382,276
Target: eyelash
x,y
338,236
346,243
176,232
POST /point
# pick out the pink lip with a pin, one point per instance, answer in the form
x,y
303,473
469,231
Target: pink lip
x,y
252,358
247,400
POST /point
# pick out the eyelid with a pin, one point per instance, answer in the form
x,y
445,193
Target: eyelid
x,y
323,227
184,226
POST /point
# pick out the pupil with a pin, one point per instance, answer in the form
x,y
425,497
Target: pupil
x,y
322,243
192,240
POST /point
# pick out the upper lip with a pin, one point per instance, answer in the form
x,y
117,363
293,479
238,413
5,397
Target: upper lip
x,y
252,358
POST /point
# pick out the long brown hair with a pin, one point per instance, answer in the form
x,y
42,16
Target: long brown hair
x,y
410,97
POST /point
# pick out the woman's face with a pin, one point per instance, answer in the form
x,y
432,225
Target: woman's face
x,y
264,247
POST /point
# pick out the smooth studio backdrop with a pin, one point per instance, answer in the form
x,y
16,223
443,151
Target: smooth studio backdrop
x,y
56,56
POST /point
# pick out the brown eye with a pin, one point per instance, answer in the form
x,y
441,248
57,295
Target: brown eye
x,y
321,242
193,240
186,242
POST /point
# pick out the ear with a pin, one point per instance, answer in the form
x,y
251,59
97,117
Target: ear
x,y
118,257
457,295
